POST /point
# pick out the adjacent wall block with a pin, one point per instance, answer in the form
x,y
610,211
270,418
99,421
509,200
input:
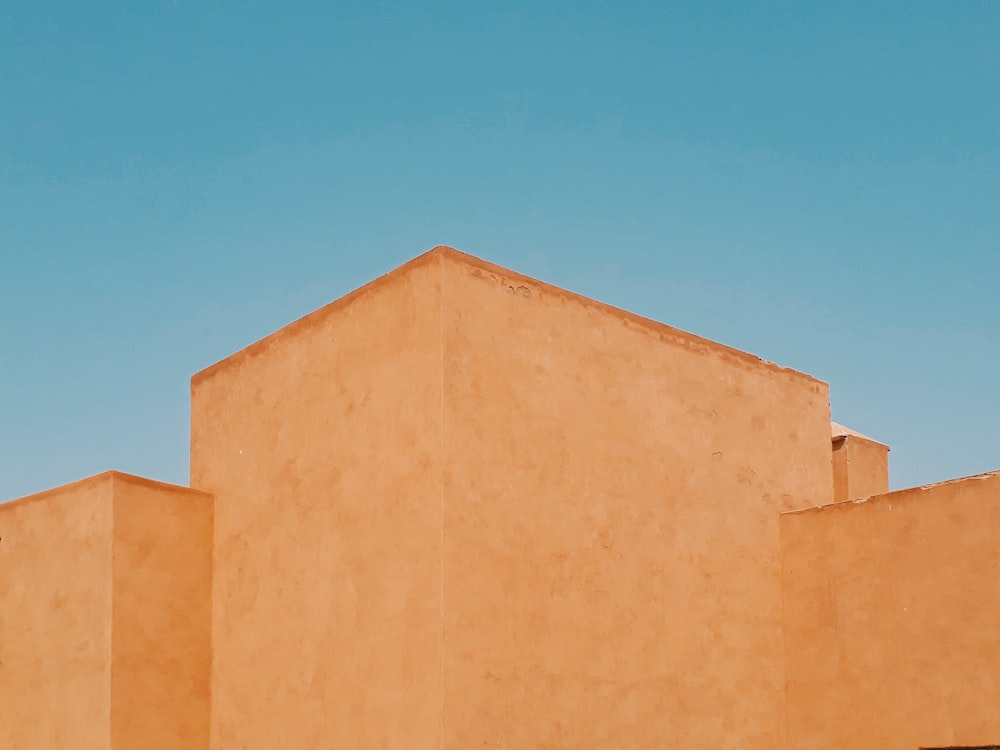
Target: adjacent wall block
x,y
104,614
891,612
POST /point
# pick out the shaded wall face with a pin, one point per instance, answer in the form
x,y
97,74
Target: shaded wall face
x,y
611,559
161,617
55,619
322,447
891,612
860,468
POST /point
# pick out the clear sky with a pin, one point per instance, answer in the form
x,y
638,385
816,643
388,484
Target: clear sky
x,y
816,183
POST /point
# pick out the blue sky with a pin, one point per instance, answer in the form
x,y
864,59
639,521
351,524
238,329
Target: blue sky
x,y
816,183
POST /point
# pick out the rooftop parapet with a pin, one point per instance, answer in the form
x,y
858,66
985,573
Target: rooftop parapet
x,y
860,464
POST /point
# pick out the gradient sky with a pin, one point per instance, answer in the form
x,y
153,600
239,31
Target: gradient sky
x,y
816,183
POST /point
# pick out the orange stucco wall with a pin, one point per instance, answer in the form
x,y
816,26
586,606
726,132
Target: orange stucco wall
x,y
104,601
55,618
510,516
891,612
322,446
160,616
611,499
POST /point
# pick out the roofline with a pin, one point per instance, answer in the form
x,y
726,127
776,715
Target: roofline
x,y
895,494
111,475
842,432
316,316
441,251
631,317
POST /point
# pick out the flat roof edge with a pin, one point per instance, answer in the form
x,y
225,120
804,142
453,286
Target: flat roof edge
x,y
896,494
631,317
156,483
110,475
443,251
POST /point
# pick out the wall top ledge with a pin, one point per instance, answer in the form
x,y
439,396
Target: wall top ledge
x,y
112,475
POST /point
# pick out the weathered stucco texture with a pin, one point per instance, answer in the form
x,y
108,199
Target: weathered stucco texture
x,y
891,613
611,550
55,618
104,602
460,508
322,447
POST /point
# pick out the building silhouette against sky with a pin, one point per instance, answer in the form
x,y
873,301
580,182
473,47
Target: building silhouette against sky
x,y
462,508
